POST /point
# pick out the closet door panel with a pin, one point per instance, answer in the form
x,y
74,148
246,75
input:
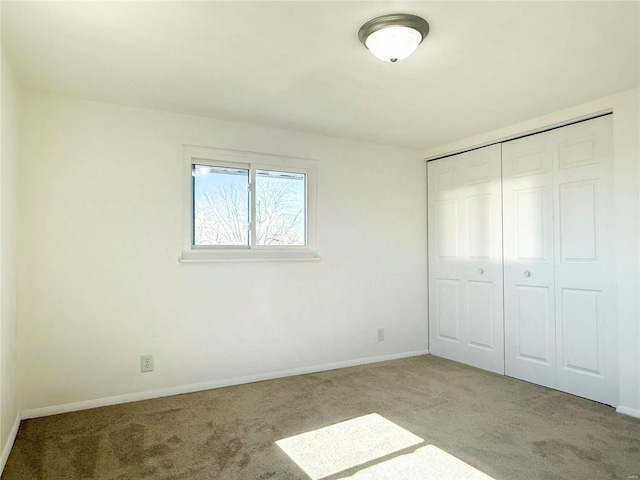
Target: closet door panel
x,y
529,306
531,219
447,303
481,301
586,317
534,325
446,264
447,239
478,219
582,326
578,205
465,259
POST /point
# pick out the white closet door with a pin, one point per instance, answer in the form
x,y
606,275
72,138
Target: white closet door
x,y
560,318
585,261
530,336
465,259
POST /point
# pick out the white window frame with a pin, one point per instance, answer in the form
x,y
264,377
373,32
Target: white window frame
x,y
252,161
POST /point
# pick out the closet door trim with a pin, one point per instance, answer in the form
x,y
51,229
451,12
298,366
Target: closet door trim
x,y
528,133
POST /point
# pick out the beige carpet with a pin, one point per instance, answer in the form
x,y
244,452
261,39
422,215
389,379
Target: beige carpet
x,y
473,424
343,445
426,463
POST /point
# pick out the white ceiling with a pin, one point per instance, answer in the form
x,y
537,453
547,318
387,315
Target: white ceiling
x,y
299,64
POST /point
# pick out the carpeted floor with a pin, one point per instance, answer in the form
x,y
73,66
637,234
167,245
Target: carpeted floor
x,y
502,427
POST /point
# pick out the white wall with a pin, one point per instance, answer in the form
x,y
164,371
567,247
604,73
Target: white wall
x,y
10,98
626,132
100,192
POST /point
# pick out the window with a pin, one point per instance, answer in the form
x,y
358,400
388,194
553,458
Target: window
x,y
244,205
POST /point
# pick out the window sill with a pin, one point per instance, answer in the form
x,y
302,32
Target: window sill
x,y
203,256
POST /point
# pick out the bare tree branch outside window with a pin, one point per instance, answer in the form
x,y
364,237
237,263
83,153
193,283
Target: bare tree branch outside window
x,y
221,208
280,210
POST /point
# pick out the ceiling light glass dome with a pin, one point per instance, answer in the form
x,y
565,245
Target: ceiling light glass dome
x,y
393,37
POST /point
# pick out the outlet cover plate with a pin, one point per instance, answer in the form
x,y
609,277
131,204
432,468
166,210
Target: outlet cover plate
x,y
146,363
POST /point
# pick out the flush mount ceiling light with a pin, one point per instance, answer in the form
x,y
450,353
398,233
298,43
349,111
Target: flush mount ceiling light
x,y
393,37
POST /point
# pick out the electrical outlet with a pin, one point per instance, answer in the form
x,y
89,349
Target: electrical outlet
x,y
380,334
146,363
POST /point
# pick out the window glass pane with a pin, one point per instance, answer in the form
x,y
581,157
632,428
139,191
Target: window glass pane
x,y
220,205
280,208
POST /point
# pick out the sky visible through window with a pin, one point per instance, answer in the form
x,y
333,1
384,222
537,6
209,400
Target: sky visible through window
x,y
221,207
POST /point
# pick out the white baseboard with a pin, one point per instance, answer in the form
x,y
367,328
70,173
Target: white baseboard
x,y
198,387
632,412
10,441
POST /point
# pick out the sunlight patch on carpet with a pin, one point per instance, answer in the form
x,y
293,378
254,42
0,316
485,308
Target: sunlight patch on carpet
x,y
426,463
347,444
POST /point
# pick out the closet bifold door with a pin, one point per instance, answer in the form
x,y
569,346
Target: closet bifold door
x,y
465,259
529,286
559,283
